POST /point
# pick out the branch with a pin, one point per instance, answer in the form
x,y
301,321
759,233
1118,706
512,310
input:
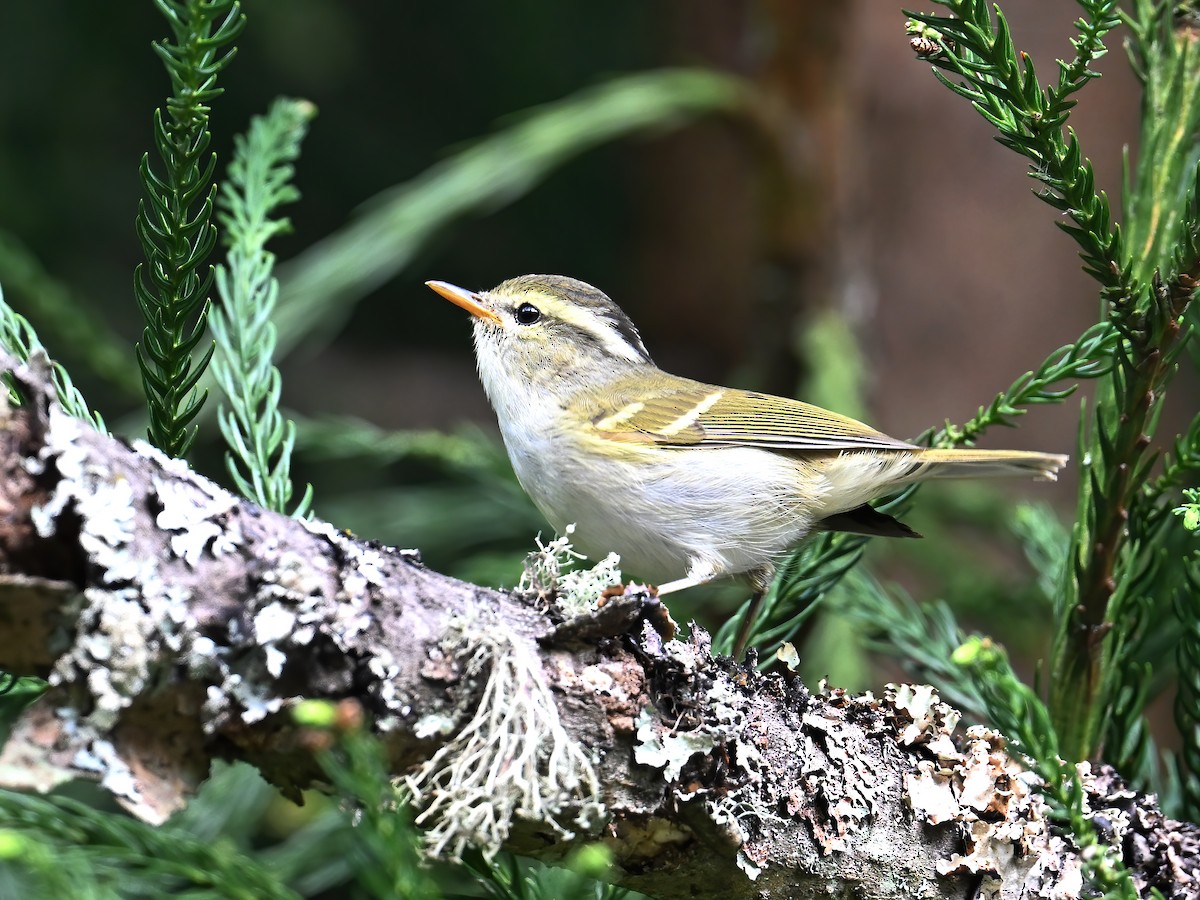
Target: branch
x,y
176,623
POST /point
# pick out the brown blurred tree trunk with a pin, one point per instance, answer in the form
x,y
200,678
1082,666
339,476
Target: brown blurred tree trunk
x,y
742,233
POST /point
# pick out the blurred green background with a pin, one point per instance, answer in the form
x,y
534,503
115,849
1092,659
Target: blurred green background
x,y
833,225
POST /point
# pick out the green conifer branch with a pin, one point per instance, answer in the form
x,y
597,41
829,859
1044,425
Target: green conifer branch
x,y
1129,745
923,637
1116,564
1187,699
127,854
1125,681
1149,574
173,221
804,578
1043,538
1178,466
1160,198
1002,85
1098,623
1163,218
260,440
383,843
1115,466
18,337
1088,357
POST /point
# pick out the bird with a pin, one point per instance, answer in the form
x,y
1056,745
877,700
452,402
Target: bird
x,y
686,481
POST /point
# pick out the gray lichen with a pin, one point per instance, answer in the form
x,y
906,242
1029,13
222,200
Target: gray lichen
x,y
668,751
511,759
550,574
991,799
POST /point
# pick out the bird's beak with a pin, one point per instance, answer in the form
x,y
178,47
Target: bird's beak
x,y
468,300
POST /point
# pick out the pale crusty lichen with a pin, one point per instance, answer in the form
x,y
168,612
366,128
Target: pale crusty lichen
x,y
132,615
100,757
116,641
669,751
196,515
659,745
360,576
992,799
289,608
836,769
512,758
932,722
738,806
549,575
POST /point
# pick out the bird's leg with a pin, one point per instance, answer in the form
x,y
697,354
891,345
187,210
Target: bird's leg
x,y
704,572
747,620
761,580
698,573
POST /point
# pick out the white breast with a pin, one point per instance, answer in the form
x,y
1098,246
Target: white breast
x,y
729,509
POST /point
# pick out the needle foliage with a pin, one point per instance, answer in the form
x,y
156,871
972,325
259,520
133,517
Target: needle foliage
x,y
174,220
260,440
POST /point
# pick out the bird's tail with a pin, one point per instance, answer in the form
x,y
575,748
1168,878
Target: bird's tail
x,y
938,463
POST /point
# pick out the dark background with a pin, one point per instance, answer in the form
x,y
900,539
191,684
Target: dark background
x,y
864,190
956,274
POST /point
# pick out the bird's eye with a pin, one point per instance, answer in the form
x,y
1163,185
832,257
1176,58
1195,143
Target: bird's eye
x,y
527,314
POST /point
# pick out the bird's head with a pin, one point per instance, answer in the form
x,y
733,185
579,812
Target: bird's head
x,y
547,330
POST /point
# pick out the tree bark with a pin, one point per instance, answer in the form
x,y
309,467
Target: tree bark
x,y
176,623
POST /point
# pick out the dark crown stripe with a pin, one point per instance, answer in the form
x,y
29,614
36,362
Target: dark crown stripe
x,y
583,295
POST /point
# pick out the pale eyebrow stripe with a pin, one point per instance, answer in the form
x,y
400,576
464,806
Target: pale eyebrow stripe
x,y
689,418
600,328
608,423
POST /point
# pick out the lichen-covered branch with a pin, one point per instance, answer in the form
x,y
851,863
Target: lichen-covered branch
x,y
176,623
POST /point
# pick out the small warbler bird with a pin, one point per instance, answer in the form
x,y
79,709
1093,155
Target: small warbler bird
x,y
686,481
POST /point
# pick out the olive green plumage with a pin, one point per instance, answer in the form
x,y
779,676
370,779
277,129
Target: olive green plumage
x,y
686,481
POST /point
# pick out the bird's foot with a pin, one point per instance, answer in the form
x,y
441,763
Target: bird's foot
x,y
653,609
632,589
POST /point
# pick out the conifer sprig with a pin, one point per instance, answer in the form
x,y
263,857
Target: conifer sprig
x,y
173,221
1002,85
1183,461
922,636
1104,604
18,337
1119,568
1187,700
1090,356
1097,685
260,440
1163,216
119,854
382,843
1160,197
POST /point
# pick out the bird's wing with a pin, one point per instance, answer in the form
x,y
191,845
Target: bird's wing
x,y
682,413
